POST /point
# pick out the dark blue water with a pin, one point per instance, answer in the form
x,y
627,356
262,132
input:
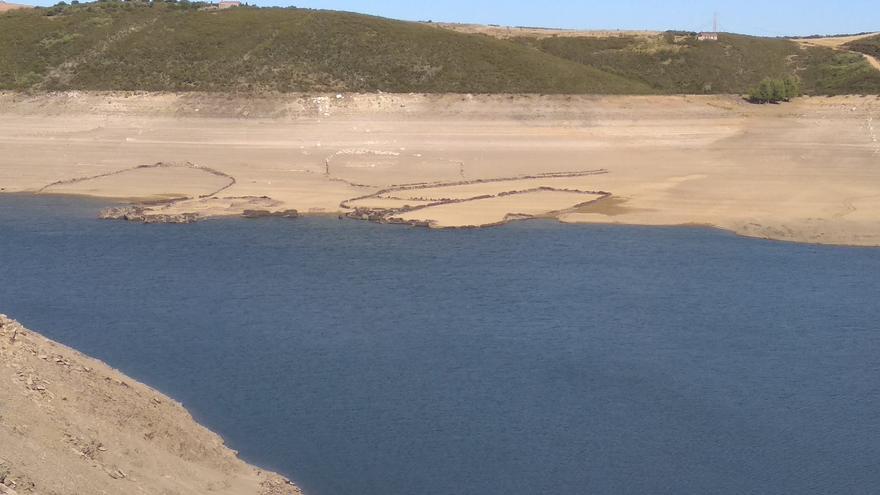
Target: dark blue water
x,y
533,358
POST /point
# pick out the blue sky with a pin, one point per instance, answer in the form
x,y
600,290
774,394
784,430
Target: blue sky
x,y
759,17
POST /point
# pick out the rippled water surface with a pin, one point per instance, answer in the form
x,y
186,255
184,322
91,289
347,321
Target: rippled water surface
x,y
532,358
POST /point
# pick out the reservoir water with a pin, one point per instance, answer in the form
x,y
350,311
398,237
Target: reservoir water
x,y
531,358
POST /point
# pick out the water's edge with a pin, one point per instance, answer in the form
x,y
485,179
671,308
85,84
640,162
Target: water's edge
x,y
89,396
344,215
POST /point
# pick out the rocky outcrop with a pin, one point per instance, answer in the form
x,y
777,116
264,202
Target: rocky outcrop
x,y
141,214
191,210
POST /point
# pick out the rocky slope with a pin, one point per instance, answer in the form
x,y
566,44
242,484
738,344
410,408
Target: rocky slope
x,y
72,425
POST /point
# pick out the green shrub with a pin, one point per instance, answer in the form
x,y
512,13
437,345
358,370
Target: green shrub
x,y
775,90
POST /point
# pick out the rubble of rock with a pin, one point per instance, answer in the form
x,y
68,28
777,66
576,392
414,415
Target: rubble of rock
x,y
141,214
382,215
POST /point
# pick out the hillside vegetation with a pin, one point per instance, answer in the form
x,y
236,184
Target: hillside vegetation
x,y
869,46
161,46
679,63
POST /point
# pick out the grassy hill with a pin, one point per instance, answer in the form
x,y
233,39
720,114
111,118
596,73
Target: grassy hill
x,y
679,63
160,46
125,46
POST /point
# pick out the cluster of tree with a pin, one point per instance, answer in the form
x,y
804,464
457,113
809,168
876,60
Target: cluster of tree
x,y
820,36
775,90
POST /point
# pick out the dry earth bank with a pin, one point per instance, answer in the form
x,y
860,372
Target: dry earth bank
x,y
807,171
5,7
70,424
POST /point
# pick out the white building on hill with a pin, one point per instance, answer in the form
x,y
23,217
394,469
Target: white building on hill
x,y
708,37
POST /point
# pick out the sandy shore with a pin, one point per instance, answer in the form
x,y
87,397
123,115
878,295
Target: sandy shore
x,y
808,171
72,425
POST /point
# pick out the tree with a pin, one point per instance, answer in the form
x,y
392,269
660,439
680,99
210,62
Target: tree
x,y
777,91
792,87
762,93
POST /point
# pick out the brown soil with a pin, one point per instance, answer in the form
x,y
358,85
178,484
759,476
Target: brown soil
x,y
71,425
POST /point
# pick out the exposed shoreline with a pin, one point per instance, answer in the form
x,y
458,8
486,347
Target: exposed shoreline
x,y
72,424
338,216
807,171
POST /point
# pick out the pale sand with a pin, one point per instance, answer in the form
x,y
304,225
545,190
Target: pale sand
x,y
465,191
807,171
492,211
73,425
173,181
